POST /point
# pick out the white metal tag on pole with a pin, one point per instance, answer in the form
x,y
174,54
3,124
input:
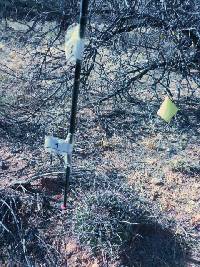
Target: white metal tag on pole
x,y
58,146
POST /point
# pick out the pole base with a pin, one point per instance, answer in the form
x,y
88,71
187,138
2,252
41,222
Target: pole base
x,y
63,207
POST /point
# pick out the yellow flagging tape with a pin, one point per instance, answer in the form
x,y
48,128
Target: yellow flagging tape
x,y
167,110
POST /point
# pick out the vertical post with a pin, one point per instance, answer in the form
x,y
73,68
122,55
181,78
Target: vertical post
x,y
75,93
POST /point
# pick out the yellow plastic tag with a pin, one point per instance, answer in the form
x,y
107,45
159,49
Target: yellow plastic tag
x,y
167,110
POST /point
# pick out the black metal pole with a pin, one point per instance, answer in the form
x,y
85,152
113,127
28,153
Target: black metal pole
x,y
75,93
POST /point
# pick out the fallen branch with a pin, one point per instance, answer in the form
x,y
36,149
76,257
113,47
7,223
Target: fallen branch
x,y
32,179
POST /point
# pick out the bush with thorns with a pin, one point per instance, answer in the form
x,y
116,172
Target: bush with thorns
x,y
22,231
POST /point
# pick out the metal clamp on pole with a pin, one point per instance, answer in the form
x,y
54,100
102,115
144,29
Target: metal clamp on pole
x,y
68,156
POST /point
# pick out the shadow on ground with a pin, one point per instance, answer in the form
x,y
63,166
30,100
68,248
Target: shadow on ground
x,y
154,246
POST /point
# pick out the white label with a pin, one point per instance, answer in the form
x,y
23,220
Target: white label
x,y
51,143
64,147
57,145
79,49
74,45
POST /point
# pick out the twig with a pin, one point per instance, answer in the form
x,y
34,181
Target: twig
x,y
33,178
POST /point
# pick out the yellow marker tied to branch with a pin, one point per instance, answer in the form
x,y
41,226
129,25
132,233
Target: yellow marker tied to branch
x,y
167,110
